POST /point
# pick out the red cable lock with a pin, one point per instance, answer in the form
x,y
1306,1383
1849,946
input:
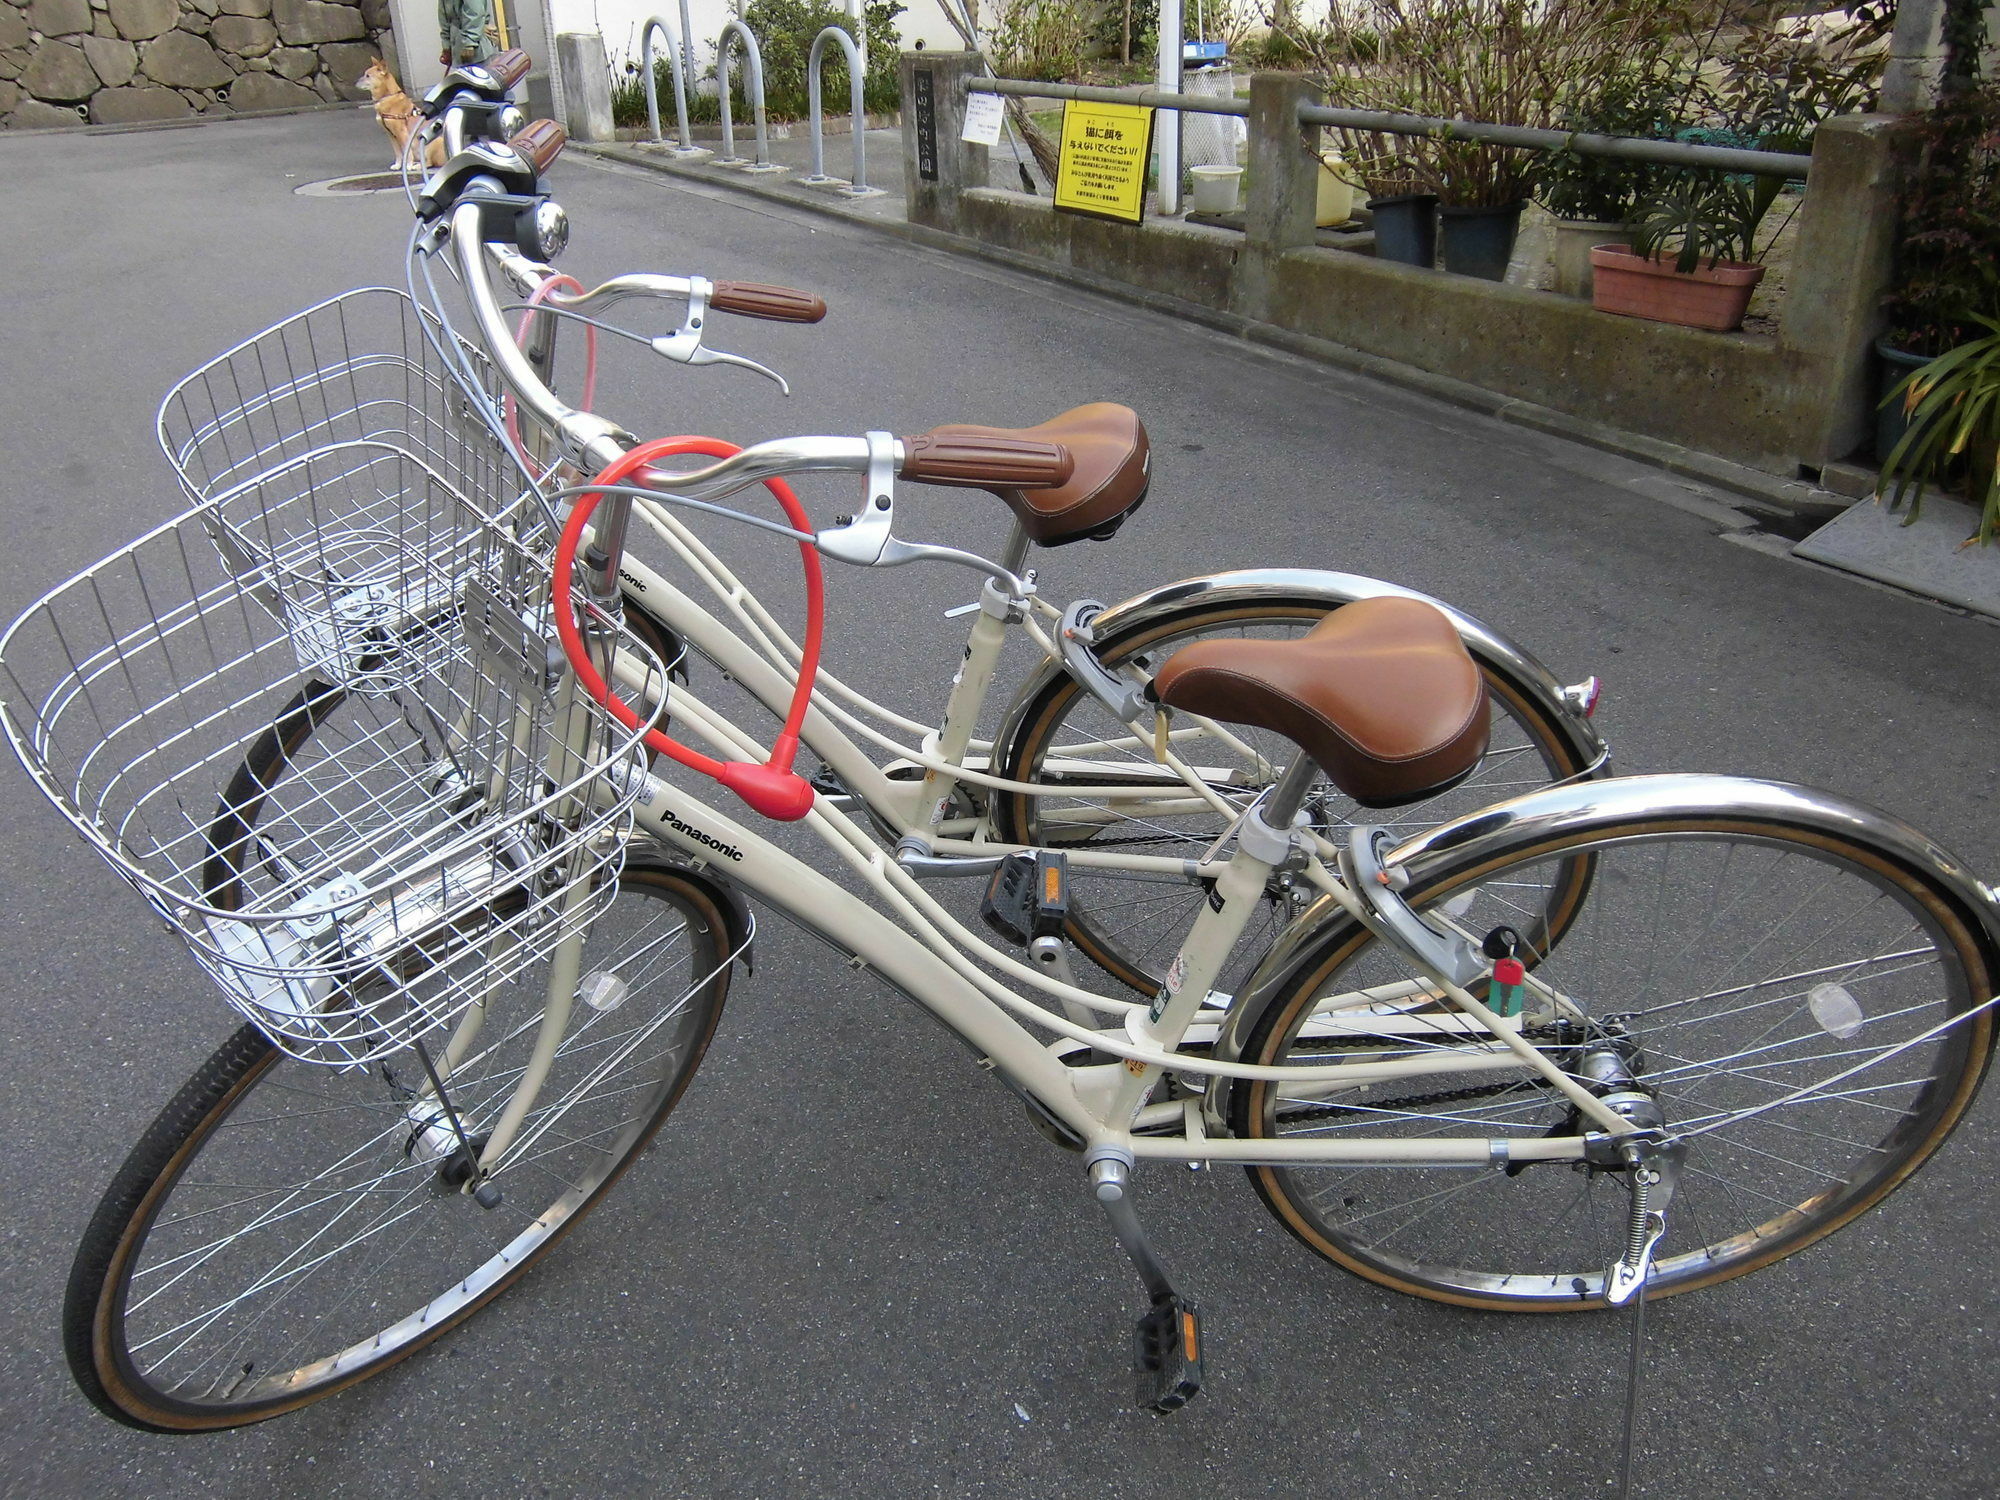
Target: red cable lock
x,y
773,788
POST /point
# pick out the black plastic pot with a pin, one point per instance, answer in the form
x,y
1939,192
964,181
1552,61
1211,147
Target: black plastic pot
x,y
1890,423
1406,228
1479,241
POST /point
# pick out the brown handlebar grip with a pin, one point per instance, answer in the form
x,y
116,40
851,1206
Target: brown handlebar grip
x,y
781,304
508,67
540,143
984,458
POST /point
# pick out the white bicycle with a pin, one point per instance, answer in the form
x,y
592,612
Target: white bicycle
x,y
378,727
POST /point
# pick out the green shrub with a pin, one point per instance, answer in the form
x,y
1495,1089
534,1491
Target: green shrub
x,y
1047,40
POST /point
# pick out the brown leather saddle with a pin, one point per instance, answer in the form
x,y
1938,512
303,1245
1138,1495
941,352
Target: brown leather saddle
x,y
1381,694
1111,466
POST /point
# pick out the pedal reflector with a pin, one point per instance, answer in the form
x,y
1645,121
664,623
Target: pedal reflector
x,y
1169,1355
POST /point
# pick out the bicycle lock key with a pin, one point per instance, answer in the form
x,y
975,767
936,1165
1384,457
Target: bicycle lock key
x,y
1501,944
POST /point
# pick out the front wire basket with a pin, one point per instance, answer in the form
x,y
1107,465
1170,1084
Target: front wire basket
x,y
360,833
315,445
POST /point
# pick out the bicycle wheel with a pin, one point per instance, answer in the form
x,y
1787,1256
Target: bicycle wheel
x,y
1131,924
284,1229
1737,967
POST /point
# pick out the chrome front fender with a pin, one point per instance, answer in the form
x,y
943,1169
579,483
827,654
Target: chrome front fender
x,y
1580,810
1252,585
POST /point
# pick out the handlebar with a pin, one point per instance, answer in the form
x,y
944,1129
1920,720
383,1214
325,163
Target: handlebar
x,y
508,68
778,304
540,143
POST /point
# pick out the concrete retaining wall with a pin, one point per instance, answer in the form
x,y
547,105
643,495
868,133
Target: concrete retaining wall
x,y
1801,399
100,62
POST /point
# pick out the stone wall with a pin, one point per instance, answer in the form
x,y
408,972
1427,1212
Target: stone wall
x,y
70,62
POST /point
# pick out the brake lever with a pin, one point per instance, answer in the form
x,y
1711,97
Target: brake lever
x,y
684,346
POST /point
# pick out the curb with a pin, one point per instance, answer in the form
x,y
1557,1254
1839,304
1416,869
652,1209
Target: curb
x,y
1792,497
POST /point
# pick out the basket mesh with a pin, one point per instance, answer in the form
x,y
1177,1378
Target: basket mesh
x,y
317,720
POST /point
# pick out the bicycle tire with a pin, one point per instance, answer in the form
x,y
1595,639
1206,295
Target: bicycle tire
x,y
1155,914
137,1274
1757,1186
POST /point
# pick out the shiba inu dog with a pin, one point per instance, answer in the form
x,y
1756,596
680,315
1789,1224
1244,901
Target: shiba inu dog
x,y
397,112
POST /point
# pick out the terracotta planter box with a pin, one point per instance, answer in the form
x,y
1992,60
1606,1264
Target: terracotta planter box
x,y
1713,297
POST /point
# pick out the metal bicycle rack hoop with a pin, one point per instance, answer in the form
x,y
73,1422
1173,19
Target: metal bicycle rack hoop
x,y
683,67
754,63
858,119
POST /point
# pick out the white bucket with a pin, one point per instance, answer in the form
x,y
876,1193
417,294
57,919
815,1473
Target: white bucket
x,y
1336,192
1214,189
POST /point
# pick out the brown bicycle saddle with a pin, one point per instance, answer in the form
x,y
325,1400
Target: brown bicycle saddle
x,y
1111,468
1381,693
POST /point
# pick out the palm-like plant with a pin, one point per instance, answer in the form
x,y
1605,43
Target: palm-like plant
x,y
1953,408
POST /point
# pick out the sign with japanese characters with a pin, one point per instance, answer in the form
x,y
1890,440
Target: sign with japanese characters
x,y
1106,149
924,86
983,114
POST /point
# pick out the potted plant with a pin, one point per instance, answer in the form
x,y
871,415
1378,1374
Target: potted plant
x,y
1952,407
1594,199
1693,256
1507,61
1401,206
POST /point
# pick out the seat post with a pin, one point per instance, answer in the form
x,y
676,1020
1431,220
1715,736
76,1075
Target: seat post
x,y
1015,552
1289,793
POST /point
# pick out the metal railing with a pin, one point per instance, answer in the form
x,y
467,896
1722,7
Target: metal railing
x,y
858,186
1193,104
1621,147
754,86
683,64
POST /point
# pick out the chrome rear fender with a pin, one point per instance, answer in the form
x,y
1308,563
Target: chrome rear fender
x,y
1580,810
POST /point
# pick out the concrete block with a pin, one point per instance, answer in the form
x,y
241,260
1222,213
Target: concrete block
x,y
1841,265
586,81
1852,480
1284,186
957,167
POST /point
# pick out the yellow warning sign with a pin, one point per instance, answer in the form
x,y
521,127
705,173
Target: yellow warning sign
x,y
1106,149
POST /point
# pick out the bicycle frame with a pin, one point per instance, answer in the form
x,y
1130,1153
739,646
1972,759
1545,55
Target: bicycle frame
x,y
928,955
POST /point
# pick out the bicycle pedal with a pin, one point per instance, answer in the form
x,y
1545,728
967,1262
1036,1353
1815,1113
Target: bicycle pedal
x,y
1028,896
1169,1354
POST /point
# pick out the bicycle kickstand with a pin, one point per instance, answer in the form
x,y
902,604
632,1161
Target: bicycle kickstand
x,y
1168,1362
1655,1166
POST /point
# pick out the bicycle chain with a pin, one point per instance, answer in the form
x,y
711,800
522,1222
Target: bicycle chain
x,y
1412,1103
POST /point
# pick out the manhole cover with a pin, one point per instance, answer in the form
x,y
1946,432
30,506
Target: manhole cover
x,y
341,187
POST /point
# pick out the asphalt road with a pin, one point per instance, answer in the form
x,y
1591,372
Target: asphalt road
x,y
849,1267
